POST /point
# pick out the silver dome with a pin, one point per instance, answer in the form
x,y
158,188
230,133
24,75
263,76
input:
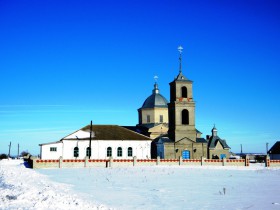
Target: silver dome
x,y
155,100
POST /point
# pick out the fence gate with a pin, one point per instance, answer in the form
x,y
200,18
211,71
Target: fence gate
x,y
186,154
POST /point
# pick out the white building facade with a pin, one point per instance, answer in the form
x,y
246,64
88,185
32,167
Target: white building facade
x,y
111,144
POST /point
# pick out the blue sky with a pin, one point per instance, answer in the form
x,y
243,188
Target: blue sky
x,y
65,63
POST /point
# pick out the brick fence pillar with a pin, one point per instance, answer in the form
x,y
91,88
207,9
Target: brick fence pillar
x,y
86,162
267,161
180,161
158,160
134,161
224,161
60,162
202,160
247,161
111,162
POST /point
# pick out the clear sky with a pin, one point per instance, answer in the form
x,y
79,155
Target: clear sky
x,y
65,63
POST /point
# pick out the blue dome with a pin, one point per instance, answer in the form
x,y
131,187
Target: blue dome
x,y
155,100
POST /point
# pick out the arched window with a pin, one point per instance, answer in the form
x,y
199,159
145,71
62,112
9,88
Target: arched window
x,y
129,152
76,152
88,151
119,152
184,92
185,117
109,152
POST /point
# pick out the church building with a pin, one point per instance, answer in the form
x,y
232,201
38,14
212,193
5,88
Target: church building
x,y
179,137
165,129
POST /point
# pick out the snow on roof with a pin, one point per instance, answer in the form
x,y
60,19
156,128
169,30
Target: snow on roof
x,y
56,142
80,134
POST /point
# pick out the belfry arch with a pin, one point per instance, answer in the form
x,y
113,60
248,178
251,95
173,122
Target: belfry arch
x,y
185,117
184,92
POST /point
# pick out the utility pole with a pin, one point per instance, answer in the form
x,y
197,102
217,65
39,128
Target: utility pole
x,y
241,148
10,149
90,140
18,152
266,148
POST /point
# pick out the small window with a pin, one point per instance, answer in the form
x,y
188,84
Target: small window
x,y
53,149
88,152
129,152
109,152
119,152
76,152
161,118
148,118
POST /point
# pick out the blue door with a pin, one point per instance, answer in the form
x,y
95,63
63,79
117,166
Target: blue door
x,y
222,156
186,154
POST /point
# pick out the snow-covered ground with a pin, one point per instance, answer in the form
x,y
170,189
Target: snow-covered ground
x,y
23,188
159,187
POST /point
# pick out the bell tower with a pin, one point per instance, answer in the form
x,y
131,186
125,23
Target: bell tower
x,y
181,108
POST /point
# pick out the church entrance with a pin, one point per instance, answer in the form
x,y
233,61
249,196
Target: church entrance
x,y
222,156
186,154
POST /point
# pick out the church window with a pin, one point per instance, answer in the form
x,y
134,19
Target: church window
x,y
53,149
184,92
148,118
119,152
129,152
161,118
76,152
88,152
185,117
109,152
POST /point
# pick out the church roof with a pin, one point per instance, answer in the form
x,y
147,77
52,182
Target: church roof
x,y
155,100
213,142
275,149
105,132
201,140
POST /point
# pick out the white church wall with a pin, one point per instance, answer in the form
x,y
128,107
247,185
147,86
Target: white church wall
x,y
51,151
140,149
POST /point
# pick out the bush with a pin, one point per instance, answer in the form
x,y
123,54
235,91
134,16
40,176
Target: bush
x,y
3,156
24,153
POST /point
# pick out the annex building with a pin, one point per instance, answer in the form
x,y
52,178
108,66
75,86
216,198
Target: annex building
x,y
165,129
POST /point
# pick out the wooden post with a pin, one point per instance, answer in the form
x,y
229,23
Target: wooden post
x,y
90,140
10,150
